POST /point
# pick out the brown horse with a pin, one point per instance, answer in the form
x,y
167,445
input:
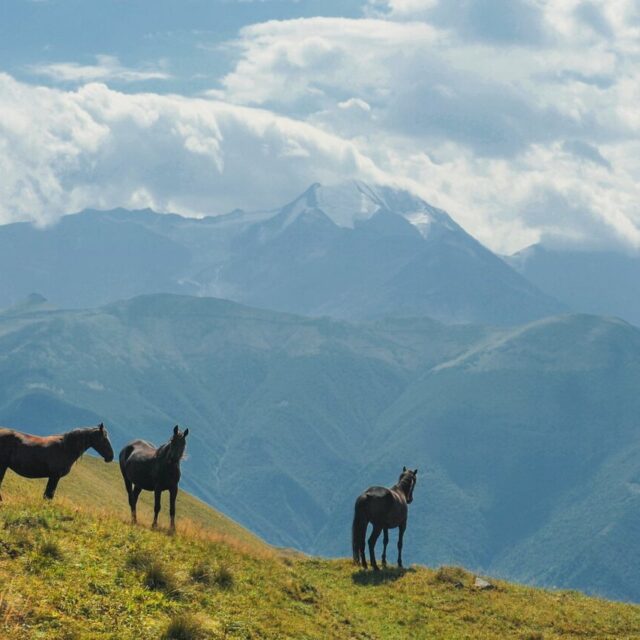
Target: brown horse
x,y
144,466
49,456
385,509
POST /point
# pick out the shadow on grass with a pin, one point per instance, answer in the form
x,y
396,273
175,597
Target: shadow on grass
x,y
369,578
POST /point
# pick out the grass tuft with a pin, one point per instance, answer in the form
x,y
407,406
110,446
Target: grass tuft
x,y
205,573
51,549
202,572
223,576
184,627
159,577
139,559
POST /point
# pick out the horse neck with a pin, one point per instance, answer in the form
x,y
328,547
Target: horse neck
x,y
162,456
76,442
403,488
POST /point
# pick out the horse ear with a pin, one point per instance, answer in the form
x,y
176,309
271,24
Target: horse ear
x,y
175,430
404,469
186,432
101,426
415,473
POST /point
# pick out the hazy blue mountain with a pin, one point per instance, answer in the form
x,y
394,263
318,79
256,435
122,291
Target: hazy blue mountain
x,y
527,438
600,282
350,251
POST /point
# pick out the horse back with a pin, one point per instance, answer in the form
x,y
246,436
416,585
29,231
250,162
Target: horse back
x,y
33,456
378,492
137,463
139,448
13,437
383,507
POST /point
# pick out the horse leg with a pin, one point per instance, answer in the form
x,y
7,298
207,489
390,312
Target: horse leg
x,y
403,526
51,487
156,508
133,501
373,538
363,554
3,470
173,493
385,542
128,485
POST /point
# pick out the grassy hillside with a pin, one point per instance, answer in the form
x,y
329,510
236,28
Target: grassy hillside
x,y
98,487
526,438
69,570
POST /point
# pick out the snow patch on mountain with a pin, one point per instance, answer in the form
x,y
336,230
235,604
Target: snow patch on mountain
x,y
347,203
352,202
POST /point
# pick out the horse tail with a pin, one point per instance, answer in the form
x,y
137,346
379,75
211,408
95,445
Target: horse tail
x,y
122,459
359,528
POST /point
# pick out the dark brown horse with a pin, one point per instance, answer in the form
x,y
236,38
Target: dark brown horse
x,y
145,467
385,509
49,456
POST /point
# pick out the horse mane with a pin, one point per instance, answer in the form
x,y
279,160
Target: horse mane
x,y
405,482
163,451
77,436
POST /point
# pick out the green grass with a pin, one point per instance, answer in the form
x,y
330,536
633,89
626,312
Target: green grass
x,y
71,571
98,486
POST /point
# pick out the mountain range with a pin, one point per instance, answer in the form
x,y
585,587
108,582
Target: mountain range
x,y
526,438
350,251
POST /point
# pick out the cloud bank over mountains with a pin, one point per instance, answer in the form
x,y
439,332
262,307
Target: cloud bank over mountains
x,y
66,150
520,118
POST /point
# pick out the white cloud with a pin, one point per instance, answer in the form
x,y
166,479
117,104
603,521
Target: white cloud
x,y
520,136
106,68
354,104
61,151
496,128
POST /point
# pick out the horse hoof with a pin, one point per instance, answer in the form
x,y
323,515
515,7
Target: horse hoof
x,y
376,567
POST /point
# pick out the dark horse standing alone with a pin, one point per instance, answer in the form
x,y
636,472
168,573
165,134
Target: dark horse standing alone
x,y
385,509
49,456
145,467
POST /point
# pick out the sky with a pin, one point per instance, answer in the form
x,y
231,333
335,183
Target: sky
x,y
521,118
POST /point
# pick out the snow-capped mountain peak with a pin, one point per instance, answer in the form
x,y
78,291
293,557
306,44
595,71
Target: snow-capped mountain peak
x,y
348,203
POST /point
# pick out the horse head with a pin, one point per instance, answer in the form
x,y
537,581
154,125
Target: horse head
x,y
99,440
408,481
177,444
